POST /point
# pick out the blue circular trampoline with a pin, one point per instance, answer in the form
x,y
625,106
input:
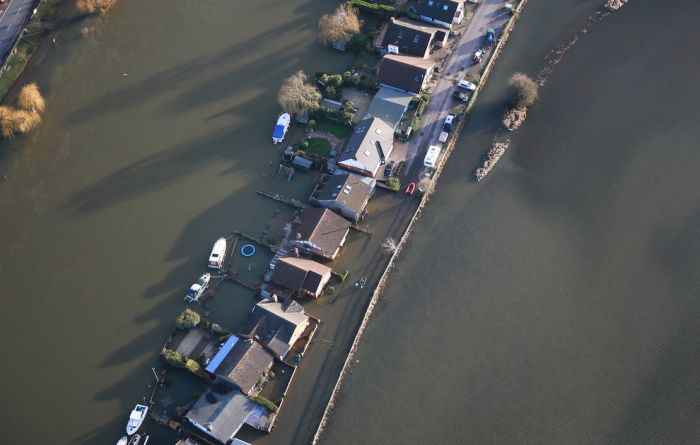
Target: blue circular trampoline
x,y
248,250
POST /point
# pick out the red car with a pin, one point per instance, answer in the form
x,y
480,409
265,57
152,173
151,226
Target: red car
x,y
410,189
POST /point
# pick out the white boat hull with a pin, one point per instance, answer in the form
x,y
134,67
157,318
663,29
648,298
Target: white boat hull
x,y
218,252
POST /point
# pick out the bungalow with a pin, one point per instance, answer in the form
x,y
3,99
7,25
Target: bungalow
x,y
346,193
368,147
411,38
241,362
389,105
277,326
305,277
405,73
223,410
320,232
446,13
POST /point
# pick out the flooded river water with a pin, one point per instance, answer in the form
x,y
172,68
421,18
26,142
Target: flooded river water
x,y
557,301
554,303
155,139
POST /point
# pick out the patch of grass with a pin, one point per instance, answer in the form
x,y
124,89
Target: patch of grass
x,y
336,129
18,61
368,59
318,147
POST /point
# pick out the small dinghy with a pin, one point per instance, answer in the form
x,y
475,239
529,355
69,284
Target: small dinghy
x,y
198,288
123,441
216,259
136,418
281,128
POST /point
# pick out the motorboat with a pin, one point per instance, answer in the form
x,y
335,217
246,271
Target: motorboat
x,y
123,441
198,288
135,439
281,128
218,252
136,418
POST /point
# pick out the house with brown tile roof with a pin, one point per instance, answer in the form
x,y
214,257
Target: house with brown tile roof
x,y
243,365
302,276
346,193
405,73
277,326
319,232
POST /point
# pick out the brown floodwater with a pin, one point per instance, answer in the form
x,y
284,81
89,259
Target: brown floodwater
x,y
156,136
557,301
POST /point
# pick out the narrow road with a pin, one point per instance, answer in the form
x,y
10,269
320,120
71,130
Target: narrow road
x,y
488,14
13,18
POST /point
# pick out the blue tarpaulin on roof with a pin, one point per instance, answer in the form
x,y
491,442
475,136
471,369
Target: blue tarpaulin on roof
x,y
221,355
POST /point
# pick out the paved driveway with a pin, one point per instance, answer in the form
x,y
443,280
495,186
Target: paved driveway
x,y
489,14
13,18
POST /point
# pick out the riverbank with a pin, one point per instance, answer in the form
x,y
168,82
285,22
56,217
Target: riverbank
x,y
29,43
383,280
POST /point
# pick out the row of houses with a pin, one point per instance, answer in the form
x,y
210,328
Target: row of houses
x,y
274,328
242,366
404,72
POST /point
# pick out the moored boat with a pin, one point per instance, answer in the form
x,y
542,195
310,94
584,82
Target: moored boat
x,y
135,439
198,288
218,252
281,128
136,418
123,441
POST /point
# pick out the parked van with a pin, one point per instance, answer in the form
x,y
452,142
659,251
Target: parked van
x,y
466,85
432,156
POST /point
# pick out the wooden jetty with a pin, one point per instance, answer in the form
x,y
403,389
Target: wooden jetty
x,y
360,229
283,199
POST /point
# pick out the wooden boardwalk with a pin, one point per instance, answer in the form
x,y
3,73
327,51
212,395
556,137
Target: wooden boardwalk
x,y
283,199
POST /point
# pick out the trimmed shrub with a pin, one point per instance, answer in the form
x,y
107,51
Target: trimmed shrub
x,y
192,366
187,319
393,183
265,402
173,358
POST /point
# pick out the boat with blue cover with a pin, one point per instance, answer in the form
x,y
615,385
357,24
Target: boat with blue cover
x,y
281,128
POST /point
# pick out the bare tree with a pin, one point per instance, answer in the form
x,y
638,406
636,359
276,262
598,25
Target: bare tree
x,y
390,245
523,90
342,24
298,97
94,6
30,98
14,121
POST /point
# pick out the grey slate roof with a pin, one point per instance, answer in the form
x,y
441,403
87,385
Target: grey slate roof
x,y
389,105
442,10
361,149
273,324
221,411
404,72
322,228
350,189
245,364
411,38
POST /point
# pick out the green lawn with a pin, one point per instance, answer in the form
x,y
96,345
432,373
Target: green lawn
x,y
370,60
18,61
336,129
318,147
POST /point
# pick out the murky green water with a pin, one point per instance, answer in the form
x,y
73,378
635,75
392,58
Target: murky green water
x,y
556,302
